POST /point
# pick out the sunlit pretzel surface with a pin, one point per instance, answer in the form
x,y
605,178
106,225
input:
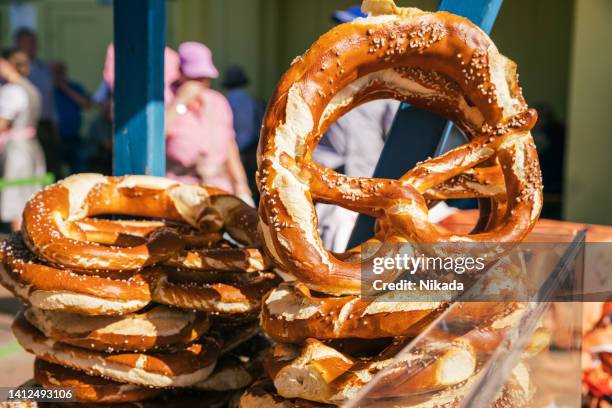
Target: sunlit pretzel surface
x,y
436,61
53,226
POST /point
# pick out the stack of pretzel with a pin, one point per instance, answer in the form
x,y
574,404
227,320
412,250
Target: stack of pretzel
x,y
331,340
124,310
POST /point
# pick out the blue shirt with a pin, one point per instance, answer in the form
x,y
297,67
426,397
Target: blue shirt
x,y
69,112
41,78
247,117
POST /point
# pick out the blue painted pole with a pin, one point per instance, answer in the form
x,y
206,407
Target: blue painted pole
x,y
417,134
139,40
482,13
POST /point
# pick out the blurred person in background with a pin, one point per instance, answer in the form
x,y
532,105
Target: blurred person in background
x,y
26,40
549,137
70,99
352,146
248,114
21,156
100,133
99,147
200,138
106,87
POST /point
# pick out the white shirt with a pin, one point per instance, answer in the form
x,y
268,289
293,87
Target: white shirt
x,y
356,140
20,103
13,101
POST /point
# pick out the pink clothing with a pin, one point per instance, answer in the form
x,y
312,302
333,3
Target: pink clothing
x,y
196,60
172,70
198,142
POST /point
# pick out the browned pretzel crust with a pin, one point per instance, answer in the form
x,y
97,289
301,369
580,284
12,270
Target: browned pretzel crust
x,y
87,388
291,313
50,288
436,61
50,232
180,368
159,327
206,251
130,232
236,259
229,292
263,395
318,372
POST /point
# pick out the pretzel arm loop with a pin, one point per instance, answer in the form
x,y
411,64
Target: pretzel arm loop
x,y
432,172
360,194
478,182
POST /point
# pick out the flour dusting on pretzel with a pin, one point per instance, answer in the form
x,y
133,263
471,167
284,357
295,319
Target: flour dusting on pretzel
x,y
436,61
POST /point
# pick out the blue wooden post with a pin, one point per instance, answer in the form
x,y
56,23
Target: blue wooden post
x,y
483,14
139,40
417,134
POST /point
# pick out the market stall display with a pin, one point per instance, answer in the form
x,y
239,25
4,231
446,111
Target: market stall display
x,y
146,292
122,310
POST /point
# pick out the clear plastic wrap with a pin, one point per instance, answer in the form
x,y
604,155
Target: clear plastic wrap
x,y
524,353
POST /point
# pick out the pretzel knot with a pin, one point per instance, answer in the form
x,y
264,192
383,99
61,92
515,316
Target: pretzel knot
x,y
435,61
57,229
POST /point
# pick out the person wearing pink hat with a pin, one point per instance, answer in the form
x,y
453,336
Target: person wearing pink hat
x,y
171,70
200,139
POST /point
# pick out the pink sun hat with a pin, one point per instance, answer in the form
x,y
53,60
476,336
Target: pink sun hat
x,y
196,60
171,69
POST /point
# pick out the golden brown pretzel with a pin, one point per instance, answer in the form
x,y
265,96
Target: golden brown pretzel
x,y
263,395
477,182
516,394
227,292
330,372
180,368
50,232
207,251
235,259
318,372
50,288
130,232
291,313
437,61
88,388
159,327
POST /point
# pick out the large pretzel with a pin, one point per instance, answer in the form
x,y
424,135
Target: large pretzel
x,y
51,227
87,388
436,61
291,314
183,367
63,290
318,372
